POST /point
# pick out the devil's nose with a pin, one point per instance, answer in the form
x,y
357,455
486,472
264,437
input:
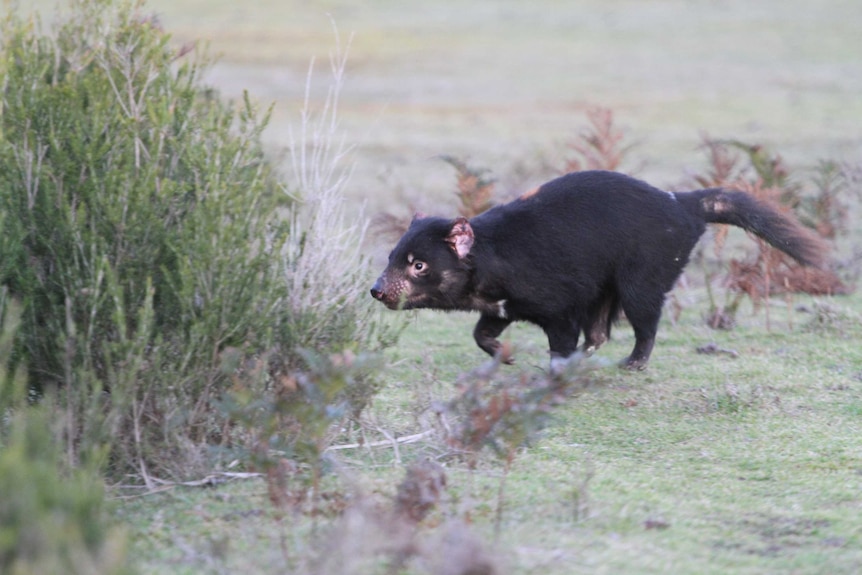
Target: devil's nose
x,y
377,290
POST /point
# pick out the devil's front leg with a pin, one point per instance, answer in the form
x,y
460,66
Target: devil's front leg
x,y
487,330
562,337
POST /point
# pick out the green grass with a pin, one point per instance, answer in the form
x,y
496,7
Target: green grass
x,y
701,464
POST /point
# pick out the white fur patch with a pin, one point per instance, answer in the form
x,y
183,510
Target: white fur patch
x,y
501,309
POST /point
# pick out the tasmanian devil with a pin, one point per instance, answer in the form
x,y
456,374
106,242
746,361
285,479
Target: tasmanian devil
x,y
570,255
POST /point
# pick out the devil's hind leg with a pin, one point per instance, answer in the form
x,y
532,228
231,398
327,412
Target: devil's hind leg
x,y
597,327
643,311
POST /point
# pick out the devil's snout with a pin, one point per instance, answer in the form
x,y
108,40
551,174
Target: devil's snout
x,y
377,290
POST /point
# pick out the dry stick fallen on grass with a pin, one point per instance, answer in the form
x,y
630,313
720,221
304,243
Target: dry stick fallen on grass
x,y
208,481
213,478
393,441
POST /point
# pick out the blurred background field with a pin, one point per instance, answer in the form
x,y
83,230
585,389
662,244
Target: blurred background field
x,y
505,83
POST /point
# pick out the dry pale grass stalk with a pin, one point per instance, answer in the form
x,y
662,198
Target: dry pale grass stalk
x,y
322,257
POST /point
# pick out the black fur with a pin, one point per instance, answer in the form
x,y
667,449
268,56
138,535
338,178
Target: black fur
x,y
571,255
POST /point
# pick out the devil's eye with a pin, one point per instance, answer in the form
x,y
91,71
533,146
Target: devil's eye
x,y
417,266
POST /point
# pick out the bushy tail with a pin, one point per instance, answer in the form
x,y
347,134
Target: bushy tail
x,y
763,219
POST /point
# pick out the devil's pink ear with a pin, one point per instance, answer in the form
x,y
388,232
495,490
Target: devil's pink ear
x,y
461,238
419,216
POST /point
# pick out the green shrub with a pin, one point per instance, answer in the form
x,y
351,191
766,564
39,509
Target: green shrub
x,y
152,244
140,223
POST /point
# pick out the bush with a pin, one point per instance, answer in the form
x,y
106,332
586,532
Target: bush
x,y
152,245
141,211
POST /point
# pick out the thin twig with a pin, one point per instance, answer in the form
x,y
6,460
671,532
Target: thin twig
x,y
391,441
394,443
166,485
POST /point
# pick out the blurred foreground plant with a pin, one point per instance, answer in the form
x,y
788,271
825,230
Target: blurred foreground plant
x,y
290,426
507,413
52,518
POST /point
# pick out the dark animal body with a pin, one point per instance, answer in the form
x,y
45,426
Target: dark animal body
x,y
570,255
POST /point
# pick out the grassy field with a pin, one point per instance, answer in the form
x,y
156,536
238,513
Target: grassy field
x,y
701,464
